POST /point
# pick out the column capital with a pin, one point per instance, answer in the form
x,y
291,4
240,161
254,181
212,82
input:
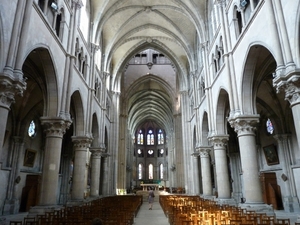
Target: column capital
x,y
281,137
97,151
244,124
55,126
195,154
81,141
219,140
77,3
290,83
204,152
10,86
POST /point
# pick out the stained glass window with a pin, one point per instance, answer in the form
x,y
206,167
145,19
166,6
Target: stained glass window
x,y
161,171
31,129
140,138
150,171
150,138
160,137
140,170
270,127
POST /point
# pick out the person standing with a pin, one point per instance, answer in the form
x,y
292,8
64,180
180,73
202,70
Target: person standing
x,y
151,198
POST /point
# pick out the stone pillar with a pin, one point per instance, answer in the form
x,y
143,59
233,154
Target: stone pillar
x,y
8,89
95,171
106,180
290,201
55,128
206,171
81,144
244,126
196,188
12,204
220,143
291,85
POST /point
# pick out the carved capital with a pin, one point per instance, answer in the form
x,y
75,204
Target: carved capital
x,y
55,127
204,152
290,83
244,124
77,4
10,86
96,152
219,140
81,142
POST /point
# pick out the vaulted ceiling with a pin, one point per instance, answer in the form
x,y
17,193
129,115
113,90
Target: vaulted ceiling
x,y
126,27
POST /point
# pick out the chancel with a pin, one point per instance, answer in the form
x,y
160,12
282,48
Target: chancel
x,y
103,100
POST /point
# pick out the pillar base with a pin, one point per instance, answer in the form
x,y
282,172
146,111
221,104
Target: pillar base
x,y
258,207
209,197
11,207
291,204
75,202
224,201
40,209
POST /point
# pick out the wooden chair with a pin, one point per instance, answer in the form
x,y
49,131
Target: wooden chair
x,y
15,223
282,221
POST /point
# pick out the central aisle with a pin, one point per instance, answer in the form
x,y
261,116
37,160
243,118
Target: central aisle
x,y
155,216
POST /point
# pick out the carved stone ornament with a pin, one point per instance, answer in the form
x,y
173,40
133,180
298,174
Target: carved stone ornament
x,y
219,140
55,127
81,142
292,93
204,152
9,88
244,124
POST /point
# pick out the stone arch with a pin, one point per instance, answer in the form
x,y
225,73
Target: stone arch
x,y
45,75
95,131
297,38
183,80
204,129
223,107
2,63
258,60
77,114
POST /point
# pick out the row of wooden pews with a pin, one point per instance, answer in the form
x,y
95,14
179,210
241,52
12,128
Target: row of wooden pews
x,y
112,210
193,210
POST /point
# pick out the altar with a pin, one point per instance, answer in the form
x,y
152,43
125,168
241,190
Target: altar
x,y
146,186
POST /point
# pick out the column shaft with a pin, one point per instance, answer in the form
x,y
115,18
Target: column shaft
x,y
55,128
95,171
244,126
206,172
78,184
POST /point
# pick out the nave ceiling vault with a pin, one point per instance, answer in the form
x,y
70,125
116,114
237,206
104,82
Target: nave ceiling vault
x,y
125,28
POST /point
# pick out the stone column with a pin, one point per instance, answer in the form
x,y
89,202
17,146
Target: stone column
x,y
81,143
8,89
12,204
206,171
105,179
196,188
290,200
55,128
244,126
95,171
220,143
291,85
